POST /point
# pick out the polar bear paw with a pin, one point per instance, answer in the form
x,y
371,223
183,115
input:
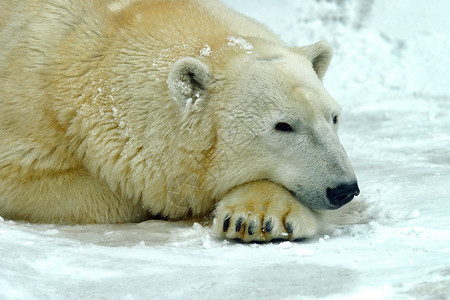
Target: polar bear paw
x,y
262,211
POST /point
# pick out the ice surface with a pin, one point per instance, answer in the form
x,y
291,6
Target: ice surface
x,y
390,75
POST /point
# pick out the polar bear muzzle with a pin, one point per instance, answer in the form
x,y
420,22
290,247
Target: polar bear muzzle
x,y
342,194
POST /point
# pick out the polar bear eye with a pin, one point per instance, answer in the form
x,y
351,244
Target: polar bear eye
x,y
335,119
283,127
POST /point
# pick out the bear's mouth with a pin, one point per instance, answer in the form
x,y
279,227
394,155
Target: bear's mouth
x,y
313,200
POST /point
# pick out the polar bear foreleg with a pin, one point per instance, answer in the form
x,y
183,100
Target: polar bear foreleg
x,y
263,211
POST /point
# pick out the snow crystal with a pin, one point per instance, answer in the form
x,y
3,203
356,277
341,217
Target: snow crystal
x,y
183,87
240,43
286,245
189,102
206,51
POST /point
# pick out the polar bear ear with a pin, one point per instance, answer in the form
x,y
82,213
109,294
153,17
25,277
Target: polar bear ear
x,y
319,54
188,82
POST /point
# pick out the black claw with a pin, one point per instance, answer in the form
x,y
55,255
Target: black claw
x,y
239,224
226,223
251,228
289,228
269,226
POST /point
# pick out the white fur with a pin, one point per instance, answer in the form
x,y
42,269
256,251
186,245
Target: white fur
x,y
118,111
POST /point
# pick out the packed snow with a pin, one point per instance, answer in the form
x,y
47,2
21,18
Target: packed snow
x,y
390,75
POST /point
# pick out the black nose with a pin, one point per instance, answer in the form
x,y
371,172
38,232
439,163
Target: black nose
x,y
342,194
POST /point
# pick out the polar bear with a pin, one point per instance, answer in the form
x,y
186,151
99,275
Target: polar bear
x,y
124,110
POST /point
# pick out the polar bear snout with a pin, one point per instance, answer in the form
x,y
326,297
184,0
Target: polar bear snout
x,y
342,194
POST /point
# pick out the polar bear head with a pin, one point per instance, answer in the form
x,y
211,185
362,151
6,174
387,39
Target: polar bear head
x,y
273,119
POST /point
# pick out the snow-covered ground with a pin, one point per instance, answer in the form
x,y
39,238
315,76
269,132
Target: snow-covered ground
x,y
390,75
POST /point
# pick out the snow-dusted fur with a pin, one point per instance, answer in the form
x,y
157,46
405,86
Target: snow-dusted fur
x,y
119,111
